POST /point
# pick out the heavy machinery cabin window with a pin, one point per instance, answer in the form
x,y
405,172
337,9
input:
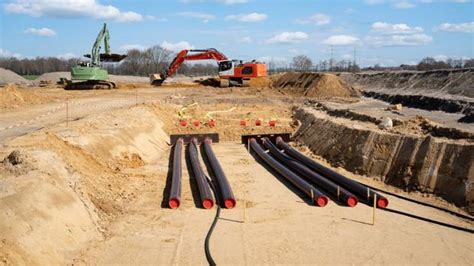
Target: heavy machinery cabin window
x,y
247,70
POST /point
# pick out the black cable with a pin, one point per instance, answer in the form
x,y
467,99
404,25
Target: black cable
x,y
420,203
209,258
430,220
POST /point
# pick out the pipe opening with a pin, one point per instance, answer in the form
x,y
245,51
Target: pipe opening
x,y
322,201
382,203
174,203
229,203
352,201
207,203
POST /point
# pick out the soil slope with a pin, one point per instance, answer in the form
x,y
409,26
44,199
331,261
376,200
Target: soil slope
x,y
315,85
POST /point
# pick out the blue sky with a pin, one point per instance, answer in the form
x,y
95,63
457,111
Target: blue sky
x,y
388,32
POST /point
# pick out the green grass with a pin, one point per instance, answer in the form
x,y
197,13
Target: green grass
x,y
30,77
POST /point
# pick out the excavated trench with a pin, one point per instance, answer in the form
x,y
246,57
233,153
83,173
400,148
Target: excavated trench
x,y
439,90
428,103
427,163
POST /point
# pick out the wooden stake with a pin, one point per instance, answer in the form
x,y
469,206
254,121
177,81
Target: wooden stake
x,y
245,206
67,111
375,207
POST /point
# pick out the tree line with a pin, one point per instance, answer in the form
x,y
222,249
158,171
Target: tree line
x,y
137,63
157,59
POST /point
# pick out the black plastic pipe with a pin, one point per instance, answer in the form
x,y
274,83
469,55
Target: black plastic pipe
x,y
317,196
203,187
225,189
358,189
328,186
175,193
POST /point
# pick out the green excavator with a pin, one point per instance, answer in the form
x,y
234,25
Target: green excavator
x,y
90,75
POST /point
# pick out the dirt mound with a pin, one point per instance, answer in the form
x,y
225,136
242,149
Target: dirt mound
x,y
54,76
315,85
11,97
261,82
7,76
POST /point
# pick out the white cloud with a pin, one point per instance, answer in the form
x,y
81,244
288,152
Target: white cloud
x,y
67,56
374,2
467,27
288,37
341,40
6,53
441,57
205,17
71,8
176,47
399,40
453,1
126,47
246,39
403,5
45,32
232,2
251,17
316,19
387,28
347,57
226,2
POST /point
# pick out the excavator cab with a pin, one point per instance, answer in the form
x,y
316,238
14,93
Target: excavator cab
x,y
226,68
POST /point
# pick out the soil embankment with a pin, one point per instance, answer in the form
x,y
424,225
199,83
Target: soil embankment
x,y
60,188
409,161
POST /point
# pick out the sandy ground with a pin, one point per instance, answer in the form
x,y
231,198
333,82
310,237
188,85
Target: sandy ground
x,y
92,192
274,225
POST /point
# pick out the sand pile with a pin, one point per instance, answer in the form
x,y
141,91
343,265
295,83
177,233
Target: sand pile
x,y
8,76
54,76
261,82
10,96
315,85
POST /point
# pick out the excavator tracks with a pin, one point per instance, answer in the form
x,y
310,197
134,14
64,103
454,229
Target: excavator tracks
x,y
90,85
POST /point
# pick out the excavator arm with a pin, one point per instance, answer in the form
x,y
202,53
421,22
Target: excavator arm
x,y
95,56
201,54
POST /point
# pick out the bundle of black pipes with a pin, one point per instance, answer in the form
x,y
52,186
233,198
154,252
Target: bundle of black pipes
x,y
333,189
316,196
201,180
358,189
175,193
224,187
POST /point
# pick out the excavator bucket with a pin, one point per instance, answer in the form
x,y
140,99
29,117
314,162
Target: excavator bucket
x,y
112,57
109,57
156,79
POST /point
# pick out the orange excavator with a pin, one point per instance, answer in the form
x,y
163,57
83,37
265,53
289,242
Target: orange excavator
x,y
231,72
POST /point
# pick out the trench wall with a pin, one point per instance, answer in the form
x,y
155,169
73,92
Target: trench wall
x,y
441,166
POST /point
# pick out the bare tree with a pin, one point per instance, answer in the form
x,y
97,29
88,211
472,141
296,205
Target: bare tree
x,y
302,63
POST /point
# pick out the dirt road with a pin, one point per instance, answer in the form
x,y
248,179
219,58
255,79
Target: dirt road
x,y
17,122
